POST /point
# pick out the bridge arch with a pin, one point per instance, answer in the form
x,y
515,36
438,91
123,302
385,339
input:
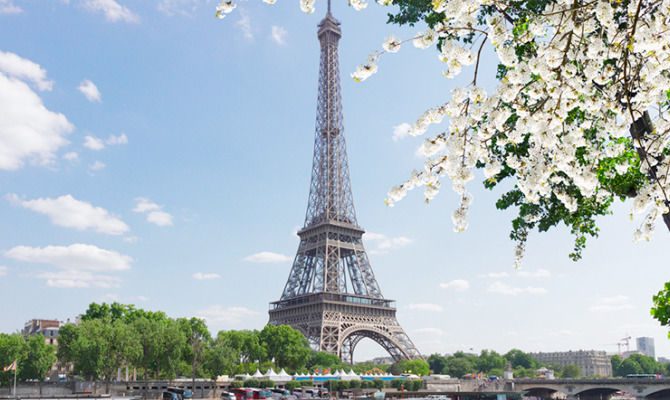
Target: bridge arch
x,y
659,395
597,393
542,392
353,335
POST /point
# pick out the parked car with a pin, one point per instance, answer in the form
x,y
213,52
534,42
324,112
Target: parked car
x,y
228,396
173,393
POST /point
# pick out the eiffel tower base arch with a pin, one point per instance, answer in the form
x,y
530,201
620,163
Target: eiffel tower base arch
x,y
336,323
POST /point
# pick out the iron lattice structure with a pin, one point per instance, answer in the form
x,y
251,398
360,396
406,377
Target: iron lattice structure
x,y
332,295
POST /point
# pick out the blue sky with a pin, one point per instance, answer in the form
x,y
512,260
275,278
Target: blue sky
x,y
158,156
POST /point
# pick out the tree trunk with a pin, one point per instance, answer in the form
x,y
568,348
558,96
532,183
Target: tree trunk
x,y
638,129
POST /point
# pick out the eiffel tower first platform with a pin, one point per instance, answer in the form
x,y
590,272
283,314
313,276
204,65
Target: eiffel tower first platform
x,y
332,295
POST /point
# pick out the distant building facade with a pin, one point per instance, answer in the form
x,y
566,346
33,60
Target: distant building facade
x,y
591,362
645,345
49,329
45,327
382,361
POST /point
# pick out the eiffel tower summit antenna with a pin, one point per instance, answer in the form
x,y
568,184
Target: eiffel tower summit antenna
x,y
332,295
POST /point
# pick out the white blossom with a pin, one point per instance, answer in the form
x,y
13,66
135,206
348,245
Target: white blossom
x,y
391,44
307,6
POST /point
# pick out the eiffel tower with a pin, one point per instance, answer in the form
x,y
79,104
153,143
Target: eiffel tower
x,y
332,295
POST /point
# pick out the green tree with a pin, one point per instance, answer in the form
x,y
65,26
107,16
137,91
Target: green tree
x,y
489,360
221,357
437,363
342,385
12,347
648,364
150,335
174,345
616,364
246,345
321,359
266,383
416,367
459,366
378,384
397,367
415,385
197,337
355,384
520,359
121,342
571,371
37,358
110,312
68,336
287,346
630,366
252,383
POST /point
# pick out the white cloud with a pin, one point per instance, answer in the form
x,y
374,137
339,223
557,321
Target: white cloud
x,y
68,212
425,307
97,165
131,239
90,91
458,285
160,218
267,257
69,279
278,34
540,273
155,213
28,130
183,7
121,139
24,70
8,7
495,275
201,277
75,257
220,316
507,290
400,131
142,298
144,204
611,303
384,243
78,265
244,24
3,270
113,11
429,331
93,143
71,156
96,144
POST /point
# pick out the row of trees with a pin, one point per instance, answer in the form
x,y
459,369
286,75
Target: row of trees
x,y
114,336
638,364
490,362
33,356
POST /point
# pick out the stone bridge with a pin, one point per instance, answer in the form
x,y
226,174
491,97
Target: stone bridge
x,y
594,389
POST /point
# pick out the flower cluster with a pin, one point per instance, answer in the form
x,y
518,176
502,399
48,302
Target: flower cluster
x,y
578,78
225,7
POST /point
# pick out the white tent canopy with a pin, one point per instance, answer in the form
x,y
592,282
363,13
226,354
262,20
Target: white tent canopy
x,y
283,375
